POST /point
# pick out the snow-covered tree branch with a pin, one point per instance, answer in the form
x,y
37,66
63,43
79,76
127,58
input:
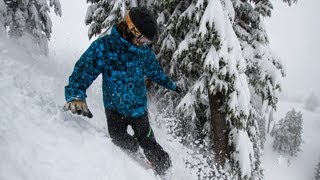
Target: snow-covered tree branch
x,y
29,20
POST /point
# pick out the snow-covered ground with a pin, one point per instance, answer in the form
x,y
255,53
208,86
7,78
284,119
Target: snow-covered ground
x,y
38,141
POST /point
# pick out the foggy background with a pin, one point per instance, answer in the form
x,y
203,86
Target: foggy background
x,y
294,34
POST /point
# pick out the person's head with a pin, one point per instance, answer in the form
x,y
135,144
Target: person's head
x,y
139,26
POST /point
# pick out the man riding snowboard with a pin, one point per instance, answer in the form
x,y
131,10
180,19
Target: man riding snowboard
x,y
124,59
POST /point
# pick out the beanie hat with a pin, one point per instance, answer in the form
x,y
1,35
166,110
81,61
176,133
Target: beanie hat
x,y
141,22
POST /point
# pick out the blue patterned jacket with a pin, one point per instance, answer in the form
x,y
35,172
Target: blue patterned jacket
x,y
124,67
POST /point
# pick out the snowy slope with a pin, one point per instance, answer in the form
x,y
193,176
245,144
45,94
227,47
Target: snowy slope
x,y
302,167
38,141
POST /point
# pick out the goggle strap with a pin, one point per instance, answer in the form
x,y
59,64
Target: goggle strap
x,y
132,27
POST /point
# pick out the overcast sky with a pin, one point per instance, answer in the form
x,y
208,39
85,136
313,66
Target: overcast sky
x,y
69,33
294,35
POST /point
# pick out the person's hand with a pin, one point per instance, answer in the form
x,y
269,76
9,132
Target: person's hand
x,y
178,90
79,107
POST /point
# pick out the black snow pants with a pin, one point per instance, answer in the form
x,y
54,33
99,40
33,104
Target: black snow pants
x,y
143,136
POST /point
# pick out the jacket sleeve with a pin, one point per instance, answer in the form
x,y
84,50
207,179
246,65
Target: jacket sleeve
x,y
155,72
86,70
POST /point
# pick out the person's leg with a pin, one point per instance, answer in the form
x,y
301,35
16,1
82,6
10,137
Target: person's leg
x,y
117,127
153,151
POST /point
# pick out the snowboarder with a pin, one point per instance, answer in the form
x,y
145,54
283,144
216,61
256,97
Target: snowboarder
x,y
124,60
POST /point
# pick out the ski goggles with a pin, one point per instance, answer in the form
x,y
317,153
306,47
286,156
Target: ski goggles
x,y
142,39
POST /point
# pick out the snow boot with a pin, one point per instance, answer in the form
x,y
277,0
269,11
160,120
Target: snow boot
x,y
160,160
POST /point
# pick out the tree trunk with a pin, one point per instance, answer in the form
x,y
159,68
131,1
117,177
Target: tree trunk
x,y
270,119
220,129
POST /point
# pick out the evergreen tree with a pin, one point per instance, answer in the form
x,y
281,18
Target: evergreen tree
x,y
312,102
263,67
270,120
3,16
102,14
29,19
207,60
273,130
179,46
264,70
317,172
288,132
257,104
290,2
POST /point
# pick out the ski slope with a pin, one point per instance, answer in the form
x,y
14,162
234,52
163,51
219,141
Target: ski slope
x,y
39,141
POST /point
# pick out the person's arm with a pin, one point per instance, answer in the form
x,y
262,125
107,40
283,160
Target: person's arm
x,y
86,70
155,72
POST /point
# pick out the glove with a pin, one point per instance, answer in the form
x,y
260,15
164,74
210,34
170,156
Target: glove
x,y
178,90
79,107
